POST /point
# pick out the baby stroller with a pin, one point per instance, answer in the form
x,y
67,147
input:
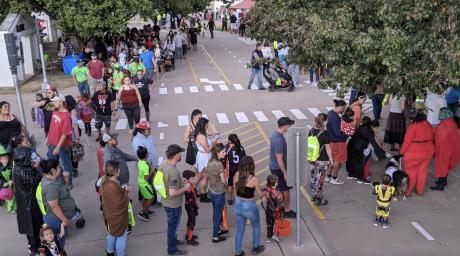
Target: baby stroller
x,y
168,57
278,77
79,219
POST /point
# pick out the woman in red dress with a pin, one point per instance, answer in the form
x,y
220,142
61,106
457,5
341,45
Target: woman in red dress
x,y
447,148
418,150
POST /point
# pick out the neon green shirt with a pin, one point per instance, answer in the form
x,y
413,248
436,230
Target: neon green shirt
x,y
143,169
134,67
117,79
80,73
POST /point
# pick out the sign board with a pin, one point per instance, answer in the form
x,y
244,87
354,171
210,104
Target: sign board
x,y
291,158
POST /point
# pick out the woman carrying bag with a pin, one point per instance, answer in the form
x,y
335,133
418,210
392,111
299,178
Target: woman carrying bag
x,y
189,138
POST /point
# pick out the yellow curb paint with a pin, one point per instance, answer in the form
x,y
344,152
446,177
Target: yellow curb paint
x,y
195,77
264,135
237,128
316,209
250,138
215,64
259,151
253,145
261,160
261,171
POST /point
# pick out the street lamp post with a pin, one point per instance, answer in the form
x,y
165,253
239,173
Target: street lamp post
x,y
45,83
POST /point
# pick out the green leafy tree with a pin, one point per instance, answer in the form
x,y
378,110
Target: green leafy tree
x,y
404,45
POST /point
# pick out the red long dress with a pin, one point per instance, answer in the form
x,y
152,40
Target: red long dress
x,y
418,150
447,147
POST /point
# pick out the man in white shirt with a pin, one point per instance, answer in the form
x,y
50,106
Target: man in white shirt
x,y
434,102
267,53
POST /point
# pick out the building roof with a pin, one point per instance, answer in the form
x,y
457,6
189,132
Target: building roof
x,y
9,21
246,4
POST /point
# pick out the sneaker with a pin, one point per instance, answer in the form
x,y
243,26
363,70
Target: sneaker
x,y
258,249
144,216
363,181
194,237
327,179
192,242
290,214
269,240
150,212
130,229
240,254
75,173
377,221
179,242
337,181
178,252
385,223
223,233
351,178
205,199
218,239
275,238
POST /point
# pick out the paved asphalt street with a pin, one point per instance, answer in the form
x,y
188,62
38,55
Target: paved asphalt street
x,y
214,80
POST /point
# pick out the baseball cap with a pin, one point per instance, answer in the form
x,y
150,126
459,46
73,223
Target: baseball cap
x,y
173,150
285,121
144,125
108,136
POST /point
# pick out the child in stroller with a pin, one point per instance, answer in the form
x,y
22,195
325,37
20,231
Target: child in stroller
x,y
168,57
278,77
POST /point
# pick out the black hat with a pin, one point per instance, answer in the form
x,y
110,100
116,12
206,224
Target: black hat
x,y
187,174
79,61
173,150
285,121
94,54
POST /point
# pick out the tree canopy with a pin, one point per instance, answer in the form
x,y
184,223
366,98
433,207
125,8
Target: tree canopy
x,y
88,18
404,45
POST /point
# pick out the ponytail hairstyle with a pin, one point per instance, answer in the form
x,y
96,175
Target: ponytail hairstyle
x,y
195,112
233,139
320,120
201,127
110,170
359,96
245,169
339,103
367,121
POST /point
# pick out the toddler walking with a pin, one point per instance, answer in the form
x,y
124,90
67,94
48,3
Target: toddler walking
x,y
274,208
384,191
86,113
191,207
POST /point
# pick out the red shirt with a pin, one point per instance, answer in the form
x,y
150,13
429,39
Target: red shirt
x,y
61,124
95,68
149,44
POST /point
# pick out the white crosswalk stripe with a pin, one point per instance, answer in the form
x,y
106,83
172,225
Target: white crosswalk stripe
x,y
298,114
121,124
222,118
178,90
160,160
193,89
163,91
208,88
182,120
162,135
223,87
314,111
261,117
278,114
241,116
329,108
205,116
238,87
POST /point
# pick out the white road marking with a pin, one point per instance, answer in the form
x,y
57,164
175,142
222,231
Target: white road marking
x,y
314,111
182,120
222,118
240,61
422,231
309,126
329,108
178,90
163,91
160,160
216,82
193,89
121,124
241,116
162,135
234,56
238,87
204,80
261,117
208,88
223,87
160,125
205,116
298,114
278,114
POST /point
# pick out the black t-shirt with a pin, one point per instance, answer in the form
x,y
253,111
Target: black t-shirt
x,y
101,103
233,19
323,139
234,158
47,113
143,86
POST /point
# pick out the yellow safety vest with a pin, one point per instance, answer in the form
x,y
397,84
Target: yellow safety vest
x,y
164,16
39,197
159,184
384,197
275,45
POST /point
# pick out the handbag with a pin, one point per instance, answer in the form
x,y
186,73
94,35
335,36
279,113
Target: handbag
x,y
283,227
78,151
6,194
192,151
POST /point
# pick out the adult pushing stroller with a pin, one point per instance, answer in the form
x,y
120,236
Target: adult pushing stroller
x,y
278,77
168,57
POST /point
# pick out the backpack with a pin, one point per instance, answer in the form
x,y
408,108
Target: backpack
x,y
313,146
159,184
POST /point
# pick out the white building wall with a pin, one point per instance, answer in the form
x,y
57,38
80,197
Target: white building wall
x,y
6,79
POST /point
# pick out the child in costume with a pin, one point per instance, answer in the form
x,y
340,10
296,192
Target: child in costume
x,y
274,207
384,191
191,206
6,178
50,243
144,181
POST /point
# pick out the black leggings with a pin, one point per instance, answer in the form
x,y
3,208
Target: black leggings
x,y
133,114
145,102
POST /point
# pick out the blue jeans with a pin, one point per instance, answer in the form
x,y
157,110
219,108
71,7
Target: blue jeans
x,y
173,215
55,224
377,100
244,210
255,72
117,243
83,88
313,71
218,203
353,93
65,157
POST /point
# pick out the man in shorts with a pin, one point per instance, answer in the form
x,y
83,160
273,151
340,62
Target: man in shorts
x,y
233,20
338,142
95,71
278,161
102,102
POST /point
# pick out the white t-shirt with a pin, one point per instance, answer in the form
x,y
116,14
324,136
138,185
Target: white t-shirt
x,y
266,52
396,104
434,102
